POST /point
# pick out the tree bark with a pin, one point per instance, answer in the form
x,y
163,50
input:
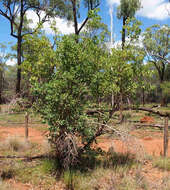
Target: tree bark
x,y
19,48
163,99
75,18
143,96
123,32
1,85
112,100
121,108
26,125
19,61
78,29
166,137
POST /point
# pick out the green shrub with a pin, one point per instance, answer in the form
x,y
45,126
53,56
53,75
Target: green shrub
x,y
50,166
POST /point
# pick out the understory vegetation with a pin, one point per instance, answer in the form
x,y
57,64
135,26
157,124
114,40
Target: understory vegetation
x,y
92,101
97,168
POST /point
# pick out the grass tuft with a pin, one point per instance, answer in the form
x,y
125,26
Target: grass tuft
x,y
7,173
162,163
4,186
115,160
49,166
14,143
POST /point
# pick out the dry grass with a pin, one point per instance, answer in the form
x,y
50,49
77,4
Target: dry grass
x,y
106,179
162,163
121,173
39,174
163,184
14,143
46,147
4,186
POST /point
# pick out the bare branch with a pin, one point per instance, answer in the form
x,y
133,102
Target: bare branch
x,y
166,114
162,114
83,24
85,21
161,57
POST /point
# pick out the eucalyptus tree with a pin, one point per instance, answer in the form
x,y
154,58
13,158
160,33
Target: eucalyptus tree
x,y
127,9
156,44
15,12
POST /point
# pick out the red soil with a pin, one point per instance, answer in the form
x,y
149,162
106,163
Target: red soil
x,y
20,186
147,119
152,145
34,135
151,142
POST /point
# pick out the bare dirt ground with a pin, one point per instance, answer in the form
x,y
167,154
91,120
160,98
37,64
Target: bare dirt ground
x,y
34,135
20,186
152,143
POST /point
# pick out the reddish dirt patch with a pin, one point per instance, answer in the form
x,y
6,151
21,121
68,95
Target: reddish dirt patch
x,y
18,185
152,145
148,138
147,119
34,135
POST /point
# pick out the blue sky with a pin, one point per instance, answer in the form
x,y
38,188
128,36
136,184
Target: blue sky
x,y
153,12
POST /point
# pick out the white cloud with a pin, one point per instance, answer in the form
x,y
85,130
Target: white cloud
x,y
112,2
118,44
152,9
11,62
7,61
61,24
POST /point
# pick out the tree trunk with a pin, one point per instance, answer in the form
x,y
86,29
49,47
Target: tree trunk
x,y
121,108
163,99
143,96
19,49
123,32
26,125
163,102
112,100
1,85
19,55
75,19
166,137
129,103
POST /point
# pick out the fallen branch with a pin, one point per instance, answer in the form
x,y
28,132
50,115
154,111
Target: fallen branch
x,y
162,114
149,125
24,157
